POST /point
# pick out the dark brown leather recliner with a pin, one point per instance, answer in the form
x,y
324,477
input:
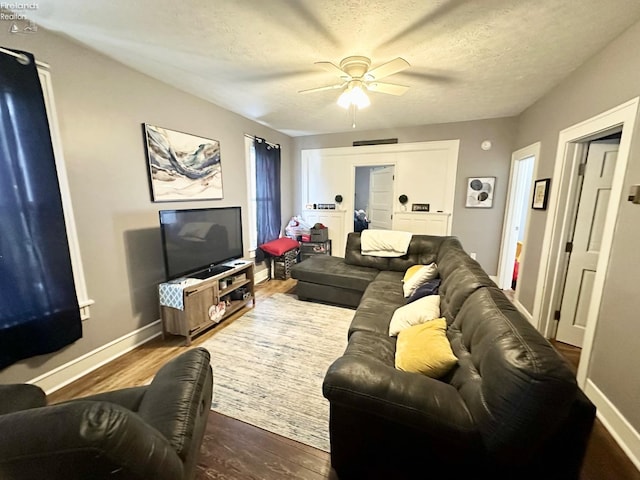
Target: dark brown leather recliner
x,y
150,432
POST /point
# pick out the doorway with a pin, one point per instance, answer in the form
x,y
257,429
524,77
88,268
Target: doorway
x,y
593,192
572,148
374,187
511,258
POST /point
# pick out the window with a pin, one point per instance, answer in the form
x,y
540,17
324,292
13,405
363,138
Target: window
x,y
40,311
74,248
250,155
263,182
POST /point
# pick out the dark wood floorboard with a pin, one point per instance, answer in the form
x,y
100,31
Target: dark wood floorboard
x,y
233,450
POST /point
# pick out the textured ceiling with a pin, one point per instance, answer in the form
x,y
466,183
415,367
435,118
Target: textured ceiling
x,y
469,59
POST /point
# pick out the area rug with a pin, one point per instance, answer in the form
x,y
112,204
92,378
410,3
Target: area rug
x,y
268,366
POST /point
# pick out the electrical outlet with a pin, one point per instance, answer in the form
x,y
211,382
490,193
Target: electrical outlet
x,y
473,255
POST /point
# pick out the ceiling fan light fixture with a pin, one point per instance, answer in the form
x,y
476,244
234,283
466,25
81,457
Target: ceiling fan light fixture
x,y
354,95
359,97
344,100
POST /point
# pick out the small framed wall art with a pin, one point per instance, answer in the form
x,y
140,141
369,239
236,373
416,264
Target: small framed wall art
x,y
480,192
182,166
540,194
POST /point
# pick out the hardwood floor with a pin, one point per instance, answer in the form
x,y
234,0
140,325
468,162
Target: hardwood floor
x,y
138,366
234,450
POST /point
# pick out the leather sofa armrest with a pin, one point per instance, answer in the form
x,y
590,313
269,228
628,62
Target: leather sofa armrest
x,y
420,402
20,396
178,400
83,439
129,398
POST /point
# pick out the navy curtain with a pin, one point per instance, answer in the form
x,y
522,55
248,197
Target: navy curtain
x,y
39,310
268,214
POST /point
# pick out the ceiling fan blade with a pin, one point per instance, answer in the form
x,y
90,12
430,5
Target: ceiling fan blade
x,y
386,69
332,68
432,77
321,89
390,88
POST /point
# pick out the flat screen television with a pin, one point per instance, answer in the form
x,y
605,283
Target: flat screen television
x,y
195,242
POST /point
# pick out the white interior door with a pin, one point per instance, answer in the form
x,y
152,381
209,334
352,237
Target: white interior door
x,y
587,239
381,198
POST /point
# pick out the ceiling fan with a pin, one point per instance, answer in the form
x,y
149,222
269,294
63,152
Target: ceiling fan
x,y
357,78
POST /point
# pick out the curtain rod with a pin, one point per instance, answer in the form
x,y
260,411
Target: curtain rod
x,y
22,58
260,138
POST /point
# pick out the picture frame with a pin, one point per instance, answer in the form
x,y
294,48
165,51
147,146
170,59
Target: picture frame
x,y
182,167
540,194
420,207
480,192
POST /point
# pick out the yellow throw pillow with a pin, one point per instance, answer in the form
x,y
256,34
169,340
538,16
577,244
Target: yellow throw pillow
x,y
425,349
422,310
411,271
418,275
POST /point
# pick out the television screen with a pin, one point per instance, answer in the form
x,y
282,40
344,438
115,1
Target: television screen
x,y
196,240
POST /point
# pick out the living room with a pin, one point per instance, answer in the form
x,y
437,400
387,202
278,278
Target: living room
x,y
101,105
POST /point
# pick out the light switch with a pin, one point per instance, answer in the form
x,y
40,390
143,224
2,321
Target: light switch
x,y
634,194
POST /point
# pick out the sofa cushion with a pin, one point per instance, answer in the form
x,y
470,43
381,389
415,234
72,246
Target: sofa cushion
x,y
373,346
449,254
353,255
279,246
456,287
381,298
414,313
416,276
328,294
390,276
328,270
425,349
423,250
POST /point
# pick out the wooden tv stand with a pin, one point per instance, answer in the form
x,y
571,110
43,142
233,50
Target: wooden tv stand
x,y
201,299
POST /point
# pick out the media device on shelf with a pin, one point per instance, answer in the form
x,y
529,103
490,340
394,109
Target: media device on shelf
x,y
196,242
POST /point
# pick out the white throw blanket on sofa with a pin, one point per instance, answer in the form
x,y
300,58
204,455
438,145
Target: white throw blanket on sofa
x,y
384,243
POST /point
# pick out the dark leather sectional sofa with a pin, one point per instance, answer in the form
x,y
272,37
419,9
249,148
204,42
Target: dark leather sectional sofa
x,y
510,408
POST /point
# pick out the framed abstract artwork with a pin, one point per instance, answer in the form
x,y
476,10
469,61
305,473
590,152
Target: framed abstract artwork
x,y
540,194
182,166
480,192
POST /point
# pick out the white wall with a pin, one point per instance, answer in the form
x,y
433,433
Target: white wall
x,y
479,230
424,171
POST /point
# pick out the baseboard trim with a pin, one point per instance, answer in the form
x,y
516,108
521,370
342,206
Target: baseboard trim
x,y
261,275
81,366
522,309
618,426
